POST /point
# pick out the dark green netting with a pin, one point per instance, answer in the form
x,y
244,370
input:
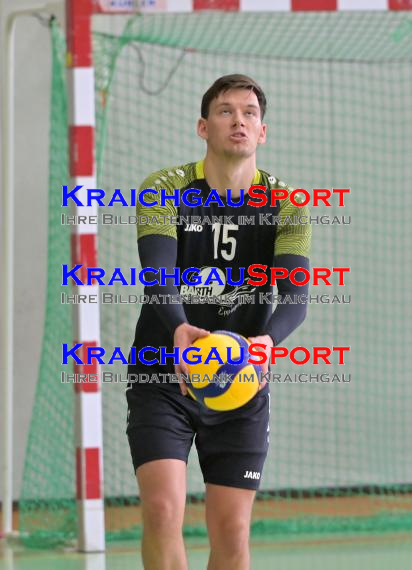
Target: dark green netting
x,y
340,115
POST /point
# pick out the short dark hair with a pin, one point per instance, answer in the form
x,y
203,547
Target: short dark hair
x,y
234,81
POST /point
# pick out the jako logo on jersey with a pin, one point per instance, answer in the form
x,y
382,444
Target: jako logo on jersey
x,y
193,228
251,475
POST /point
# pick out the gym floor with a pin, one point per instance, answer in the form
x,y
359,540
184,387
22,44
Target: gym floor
x,y
378,552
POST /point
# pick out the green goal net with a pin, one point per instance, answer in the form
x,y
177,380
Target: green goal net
x,y
339,115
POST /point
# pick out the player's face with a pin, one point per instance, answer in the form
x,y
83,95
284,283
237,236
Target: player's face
x,y
233,127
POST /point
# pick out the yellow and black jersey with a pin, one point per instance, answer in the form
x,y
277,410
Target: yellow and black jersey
x,y
287,239
221,239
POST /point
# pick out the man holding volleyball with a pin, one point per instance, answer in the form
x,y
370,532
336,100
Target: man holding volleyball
x,y
163,419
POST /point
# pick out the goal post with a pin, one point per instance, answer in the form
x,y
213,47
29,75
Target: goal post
x,y
130,107
7,68
86,316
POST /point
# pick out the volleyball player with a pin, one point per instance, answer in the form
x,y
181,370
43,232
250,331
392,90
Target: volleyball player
x,y
163,420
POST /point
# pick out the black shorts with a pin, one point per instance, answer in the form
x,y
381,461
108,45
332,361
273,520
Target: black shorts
x,y
232,446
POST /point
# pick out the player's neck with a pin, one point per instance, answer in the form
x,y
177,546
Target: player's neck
x,y
221,173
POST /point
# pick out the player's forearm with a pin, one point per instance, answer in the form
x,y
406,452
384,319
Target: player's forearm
x,y
289,315
161,251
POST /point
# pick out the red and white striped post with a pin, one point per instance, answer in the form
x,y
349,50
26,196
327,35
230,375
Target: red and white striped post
x,y
133,6
86,321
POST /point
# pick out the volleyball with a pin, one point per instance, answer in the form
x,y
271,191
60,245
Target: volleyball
x,y
220,376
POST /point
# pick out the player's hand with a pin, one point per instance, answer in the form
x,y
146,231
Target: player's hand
x,y
268,342
183,337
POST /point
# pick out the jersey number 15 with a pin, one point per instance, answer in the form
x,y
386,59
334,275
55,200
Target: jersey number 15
x,y
224,244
